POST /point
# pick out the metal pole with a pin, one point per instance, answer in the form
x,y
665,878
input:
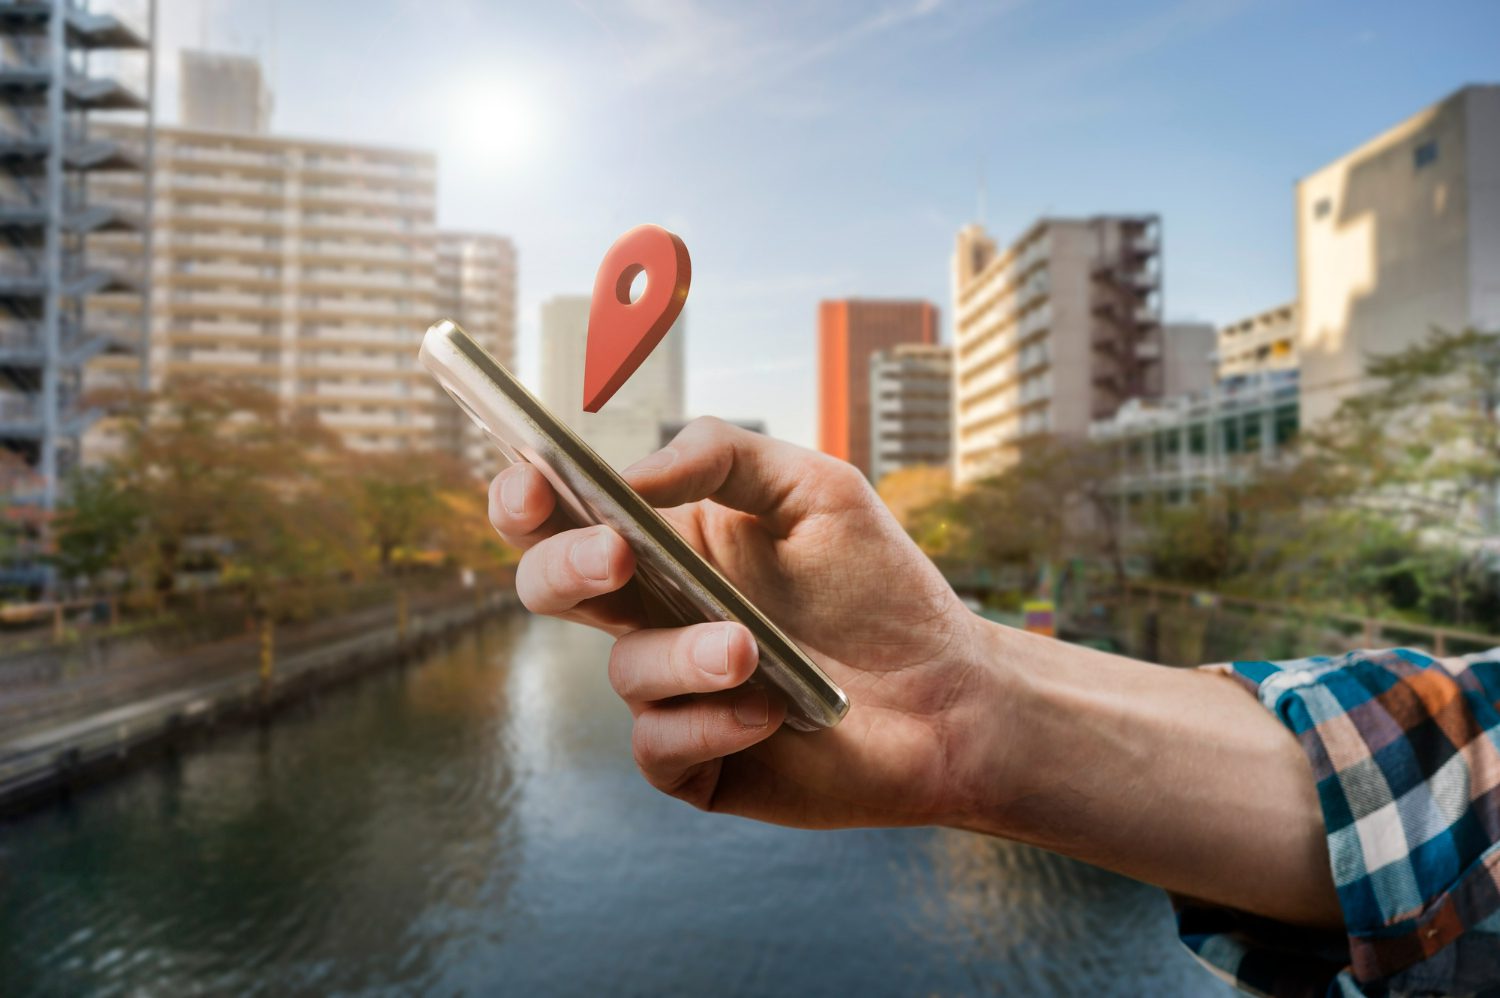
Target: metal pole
x,y
148,250
52,272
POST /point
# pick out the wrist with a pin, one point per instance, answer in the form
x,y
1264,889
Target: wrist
x,y
992,736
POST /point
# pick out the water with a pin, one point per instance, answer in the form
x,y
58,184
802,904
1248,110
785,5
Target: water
x,y
473,824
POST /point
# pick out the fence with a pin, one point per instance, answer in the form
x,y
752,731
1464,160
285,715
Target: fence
x,y
1178,625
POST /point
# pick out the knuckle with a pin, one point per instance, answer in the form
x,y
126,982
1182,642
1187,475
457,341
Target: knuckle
x,y
680,660
527,590
619,671
700,734
645,746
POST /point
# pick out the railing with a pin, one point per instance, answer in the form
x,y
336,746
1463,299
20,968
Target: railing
x,y
20,336
19,408
1357,631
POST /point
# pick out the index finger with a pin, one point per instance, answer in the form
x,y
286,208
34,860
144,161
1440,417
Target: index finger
x,y
523,506
747,471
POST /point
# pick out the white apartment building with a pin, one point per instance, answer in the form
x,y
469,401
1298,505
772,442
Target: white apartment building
x,y
1052,332
1266,341
629,426
1178,449
911,402
308,268
1396,237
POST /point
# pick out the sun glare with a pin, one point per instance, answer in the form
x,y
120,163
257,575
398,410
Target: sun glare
x,y
493,123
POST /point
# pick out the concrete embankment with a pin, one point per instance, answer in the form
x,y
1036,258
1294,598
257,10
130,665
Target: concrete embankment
x,y
41,762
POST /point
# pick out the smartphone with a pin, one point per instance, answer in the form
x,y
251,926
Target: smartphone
x,y
591,492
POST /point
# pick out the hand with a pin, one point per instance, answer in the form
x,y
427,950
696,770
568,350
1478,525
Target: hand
x,y
807,540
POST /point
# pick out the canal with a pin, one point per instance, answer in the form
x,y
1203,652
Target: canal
x,y
472,823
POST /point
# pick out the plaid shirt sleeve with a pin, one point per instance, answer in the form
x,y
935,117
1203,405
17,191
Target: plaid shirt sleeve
x,y
1406,753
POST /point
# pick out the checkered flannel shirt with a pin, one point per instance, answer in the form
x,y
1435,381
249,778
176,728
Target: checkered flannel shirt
x,y
1406,753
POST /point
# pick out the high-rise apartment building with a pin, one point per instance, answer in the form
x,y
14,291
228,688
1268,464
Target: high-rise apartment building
x,y
61,65
1396,237
1054,331
911,407
311,269
476,285
1266,341
304,267
223,93
850,331
629,425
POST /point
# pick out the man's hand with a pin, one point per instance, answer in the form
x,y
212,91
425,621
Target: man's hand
x,y
806,539
1173,776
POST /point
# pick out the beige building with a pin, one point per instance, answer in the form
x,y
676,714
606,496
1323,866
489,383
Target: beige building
x,y
311,269
223,93
1398,236
911,403
1187,358
304,267
1050,333
1266,341
629,426
476,285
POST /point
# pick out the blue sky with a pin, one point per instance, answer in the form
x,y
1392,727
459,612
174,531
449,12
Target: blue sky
x,y
807,151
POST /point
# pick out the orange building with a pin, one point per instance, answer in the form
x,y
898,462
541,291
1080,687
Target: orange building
x,y
850,330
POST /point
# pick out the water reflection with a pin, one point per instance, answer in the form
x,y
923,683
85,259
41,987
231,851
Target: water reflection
x,y
474,823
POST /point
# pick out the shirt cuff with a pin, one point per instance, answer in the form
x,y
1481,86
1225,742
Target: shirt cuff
x,y
1405,750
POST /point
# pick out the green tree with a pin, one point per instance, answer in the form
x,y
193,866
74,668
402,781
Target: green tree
x,y
99,519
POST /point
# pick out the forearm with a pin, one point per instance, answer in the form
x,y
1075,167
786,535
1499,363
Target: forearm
x,y
1172,776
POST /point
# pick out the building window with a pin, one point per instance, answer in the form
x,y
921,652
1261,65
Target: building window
x,y
1322,207
1425,154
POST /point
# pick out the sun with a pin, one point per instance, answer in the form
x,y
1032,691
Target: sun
x,y
493,123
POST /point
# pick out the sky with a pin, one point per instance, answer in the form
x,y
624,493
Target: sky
x,y
822,150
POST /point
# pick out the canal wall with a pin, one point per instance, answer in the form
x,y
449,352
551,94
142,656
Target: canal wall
x,y
39,764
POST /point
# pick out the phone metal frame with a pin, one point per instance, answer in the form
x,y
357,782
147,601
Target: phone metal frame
x,y
593,492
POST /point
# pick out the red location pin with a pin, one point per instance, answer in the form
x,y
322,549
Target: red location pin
x,y
622,333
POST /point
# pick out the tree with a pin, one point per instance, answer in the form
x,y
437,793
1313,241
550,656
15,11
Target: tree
x,y
97,522
399,498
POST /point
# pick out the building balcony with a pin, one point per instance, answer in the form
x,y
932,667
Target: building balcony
x,y
103,154
100,93
22,216
90,30
20,416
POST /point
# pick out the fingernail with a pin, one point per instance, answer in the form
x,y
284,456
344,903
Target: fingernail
x,y
751,709
711,651
590,557
513,493
654,462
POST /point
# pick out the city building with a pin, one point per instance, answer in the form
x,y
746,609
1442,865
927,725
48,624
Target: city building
x,y
54,57
669,430
1176,450
911,407
850,331
1187,357
476,286
1396,237
223,93
1051,333
1266,341
629,426
311,269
